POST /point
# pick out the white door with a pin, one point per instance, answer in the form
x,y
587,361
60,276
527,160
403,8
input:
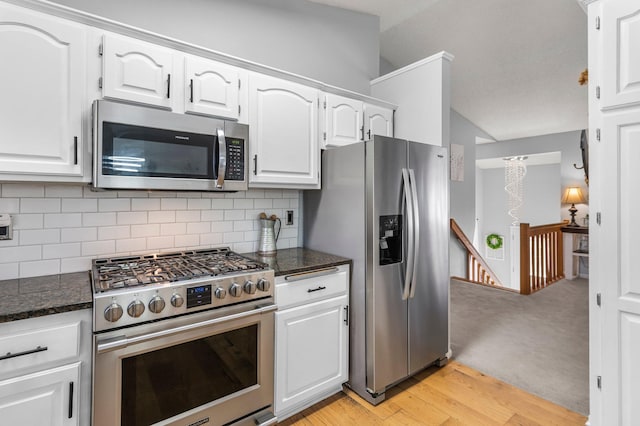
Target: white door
x,y
343,121
620,26
377,121
311,351
137,71
212,88
283,130
48,397
614,67
42,80
619,251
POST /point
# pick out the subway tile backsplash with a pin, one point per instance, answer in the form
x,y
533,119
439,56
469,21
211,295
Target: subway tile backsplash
x,y
61,228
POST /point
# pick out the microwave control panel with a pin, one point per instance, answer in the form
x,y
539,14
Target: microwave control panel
x,y
235,159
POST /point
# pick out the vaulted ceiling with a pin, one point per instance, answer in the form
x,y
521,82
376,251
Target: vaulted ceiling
x,y
517,62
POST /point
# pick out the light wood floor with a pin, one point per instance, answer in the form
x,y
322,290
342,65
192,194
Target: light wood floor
x,y
452,395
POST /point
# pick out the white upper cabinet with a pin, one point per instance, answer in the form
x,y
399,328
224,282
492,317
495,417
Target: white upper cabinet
x,y
345,121
620,27
283,127
137,71
42,86
342,120
212,88
145,73
377,121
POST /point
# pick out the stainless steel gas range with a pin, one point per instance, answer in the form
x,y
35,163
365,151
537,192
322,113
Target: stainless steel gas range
x,y
183,338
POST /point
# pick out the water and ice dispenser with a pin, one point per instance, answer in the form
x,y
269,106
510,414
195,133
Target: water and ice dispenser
x,y
390,247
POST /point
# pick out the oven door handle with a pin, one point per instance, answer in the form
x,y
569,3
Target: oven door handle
x,y
119,342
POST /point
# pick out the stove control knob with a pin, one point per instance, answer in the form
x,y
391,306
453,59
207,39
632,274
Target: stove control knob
x,y
113,312
177,300
135,308
220,293
249,287
156,305
235,290
264,285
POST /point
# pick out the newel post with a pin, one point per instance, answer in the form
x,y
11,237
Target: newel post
x,y
525,273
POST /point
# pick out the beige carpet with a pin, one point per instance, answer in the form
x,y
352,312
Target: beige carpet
x,y
539,343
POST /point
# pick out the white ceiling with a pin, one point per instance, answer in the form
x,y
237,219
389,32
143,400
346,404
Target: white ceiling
x,y
517,62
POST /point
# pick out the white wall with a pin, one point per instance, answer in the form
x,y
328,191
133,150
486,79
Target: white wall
x,y
422,92
463,194
567,143
61,228
335,46
541,206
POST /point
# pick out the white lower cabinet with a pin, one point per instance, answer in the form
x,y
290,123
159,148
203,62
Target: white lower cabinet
x,y
48,397
45,370
312,340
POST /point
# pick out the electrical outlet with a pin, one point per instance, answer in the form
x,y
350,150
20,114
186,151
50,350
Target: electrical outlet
x,y
289,217
6,228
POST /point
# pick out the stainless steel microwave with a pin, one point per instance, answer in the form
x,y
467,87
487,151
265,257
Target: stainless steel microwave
x,y
137,147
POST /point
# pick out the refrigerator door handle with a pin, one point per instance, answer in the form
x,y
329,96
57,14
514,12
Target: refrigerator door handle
x,y
408,199
416,231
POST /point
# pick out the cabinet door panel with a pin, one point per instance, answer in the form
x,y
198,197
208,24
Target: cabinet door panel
x,y
311,351
137,71
212,88
283,127
42,86
616,251
621,43
377,121
343,118
41,398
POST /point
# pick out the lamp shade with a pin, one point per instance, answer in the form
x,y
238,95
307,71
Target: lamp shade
x,y
573,195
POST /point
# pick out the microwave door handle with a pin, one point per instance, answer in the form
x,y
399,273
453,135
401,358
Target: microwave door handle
x,y
222,159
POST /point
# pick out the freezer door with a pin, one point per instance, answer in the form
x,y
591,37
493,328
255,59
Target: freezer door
x,y
429,302
386,311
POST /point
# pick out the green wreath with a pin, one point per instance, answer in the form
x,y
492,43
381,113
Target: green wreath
x,y
494,241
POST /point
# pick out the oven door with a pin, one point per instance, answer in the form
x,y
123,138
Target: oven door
x,y
204,369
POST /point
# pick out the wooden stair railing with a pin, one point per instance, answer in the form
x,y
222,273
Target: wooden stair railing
x,y
541,256
478,271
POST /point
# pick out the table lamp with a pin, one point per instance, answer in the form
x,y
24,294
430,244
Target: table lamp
x,y
573,195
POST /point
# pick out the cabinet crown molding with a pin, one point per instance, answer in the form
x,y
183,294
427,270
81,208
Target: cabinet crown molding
x,y
96,21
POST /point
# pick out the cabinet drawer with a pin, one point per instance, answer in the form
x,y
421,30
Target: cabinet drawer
x,y
295,289
38,347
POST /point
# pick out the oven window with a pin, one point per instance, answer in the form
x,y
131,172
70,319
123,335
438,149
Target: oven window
x,y
160,384
129,150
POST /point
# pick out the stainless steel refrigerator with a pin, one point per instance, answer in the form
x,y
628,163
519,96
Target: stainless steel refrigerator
x,y
385,204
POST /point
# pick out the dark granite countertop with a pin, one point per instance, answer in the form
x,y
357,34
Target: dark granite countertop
x,y
295,260
24,298
52,294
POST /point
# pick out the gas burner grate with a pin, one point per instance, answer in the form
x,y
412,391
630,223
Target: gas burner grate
x,y
116,273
